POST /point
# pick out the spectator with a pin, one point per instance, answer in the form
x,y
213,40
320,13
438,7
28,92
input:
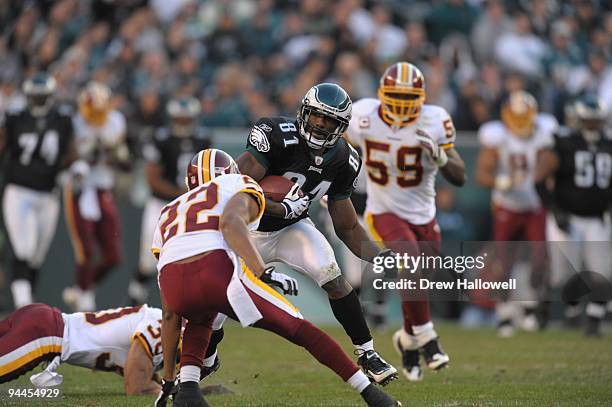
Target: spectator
x,y
521,50
452,16
488,28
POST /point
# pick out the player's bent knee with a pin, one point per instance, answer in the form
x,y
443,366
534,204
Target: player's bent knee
x,y
337,288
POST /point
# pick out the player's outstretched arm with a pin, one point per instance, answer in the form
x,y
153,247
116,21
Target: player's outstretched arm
x,y
454,170
248,165
486,166
350,231
157,182
238,213
546,165
138,372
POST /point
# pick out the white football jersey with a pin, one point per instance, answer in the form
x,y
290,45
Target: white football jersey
x,y
92,141
101,340
517,159
401,176
189,225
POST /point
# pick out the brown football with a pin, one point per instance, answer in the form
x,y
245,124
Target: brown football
x,y
276,187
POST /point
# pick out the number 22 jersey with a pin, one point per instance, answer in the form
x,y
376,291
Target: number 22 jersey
x,y
401,176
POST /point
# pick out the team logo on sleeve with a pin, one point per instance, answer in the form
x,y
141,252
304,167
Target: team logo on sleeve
x,y
265,127
259,139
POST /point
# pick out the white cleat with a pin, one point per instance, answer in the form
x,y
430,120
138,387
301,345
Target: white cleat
x,y
411,369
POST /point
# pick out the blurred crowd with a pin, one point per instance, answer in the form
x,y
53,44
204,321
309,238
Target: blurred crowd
x,y
249,58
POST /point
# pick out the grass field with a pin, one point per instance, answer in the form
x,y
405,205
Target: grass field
x,y
555,368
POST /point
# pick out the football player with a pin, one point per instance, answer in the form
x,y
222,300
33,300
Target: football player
x,y
405,142
581,165
39,143
208,264
89,205
506,163
166,157
311,151
120,340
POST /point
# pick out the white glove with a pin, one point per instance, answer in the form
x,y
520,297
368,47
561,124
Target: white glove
x,y
48,377
288,285
431,146
503,182
294,205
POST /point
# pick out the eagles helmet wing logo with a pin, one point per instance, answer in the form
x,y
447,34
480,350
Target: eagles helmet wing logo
x,y
259,140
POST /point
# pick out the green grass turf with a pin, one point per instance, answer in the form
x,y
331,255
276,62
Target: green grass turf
x,y
555,368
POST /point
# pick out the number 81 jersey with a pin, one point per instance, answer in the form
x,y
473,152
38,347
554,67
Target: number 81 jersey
x,y
401,176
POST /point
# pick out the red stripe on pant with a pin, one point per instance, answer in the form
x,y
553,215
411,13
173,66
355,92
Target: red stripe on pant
x,y
198,291
86,234
25,325
404,237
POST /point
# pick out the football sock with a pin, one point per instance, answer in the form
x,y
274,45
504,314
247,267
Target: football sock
x,y
424,333
22,292
359,381
211,351
189,373
408,342
369,345
347,311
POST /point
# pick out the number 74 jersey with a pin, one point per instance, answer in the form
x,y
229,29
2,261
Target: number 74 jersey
x,y
401,175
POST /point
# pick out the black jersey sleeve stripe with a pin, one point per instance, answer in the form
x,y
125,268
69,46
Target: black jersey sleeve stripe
x,y
262,159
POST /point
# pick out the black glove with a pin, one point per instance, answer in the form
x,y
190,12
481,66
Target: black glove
x,y
390,272
562,219
168,390
287,284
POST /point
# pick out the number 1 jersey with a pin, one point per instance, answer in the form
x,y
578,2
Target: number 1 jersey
x,y
401,176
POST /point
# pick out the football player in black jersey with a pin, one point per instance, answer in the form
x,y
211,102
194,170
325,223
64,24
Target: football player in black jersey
x,y
39,143
166,157
580,201
311,151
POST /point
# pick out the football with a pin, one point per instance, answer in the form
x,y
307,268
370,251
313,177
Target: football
x,y
276,187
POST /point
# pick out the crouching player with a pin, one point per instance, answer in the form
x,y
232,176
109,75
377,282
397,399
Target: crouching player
x,y
121,340
208,264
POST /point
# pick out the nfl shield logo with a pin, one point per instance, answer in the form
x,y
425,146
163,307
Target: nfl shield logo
x,y
318,160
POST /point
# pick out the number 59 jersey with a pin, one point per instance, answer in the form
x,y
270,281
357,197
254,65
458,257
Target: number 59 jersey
x,y
401,176
189,225
102,340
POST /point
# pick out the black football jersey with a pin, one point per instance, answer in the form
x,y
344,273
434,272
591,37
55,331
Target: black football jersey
x,y
36,146
582,181
174,154
276,144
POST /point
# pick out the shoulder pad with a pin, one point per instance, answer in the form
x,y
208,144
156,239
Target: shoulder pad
x,y
434,112
365,106
491,133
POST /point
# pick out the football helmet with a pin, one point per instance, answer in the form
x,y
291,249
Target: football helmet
x,y
589,116
518,113
39,90
95,103
401,92
207,165
183,113
331,102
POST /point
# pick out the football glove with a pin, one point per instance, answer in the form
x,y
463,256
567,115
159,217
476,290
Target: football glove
x,y
391,272
168,391
294,205
430,145
287,284
562,219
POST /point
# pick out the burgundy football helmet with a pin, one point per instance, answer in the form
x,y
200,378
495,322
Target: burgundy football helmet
x,y
207,165
402,93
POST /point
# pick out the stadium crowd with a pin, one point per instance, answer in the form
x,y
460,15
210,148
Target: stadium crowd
x,y
250,58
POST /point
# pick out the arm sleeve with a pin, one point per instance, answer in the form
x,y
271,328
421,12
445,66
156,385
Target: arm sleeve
x,y
148,332
249,186
259,141
446,133
345,183
157,242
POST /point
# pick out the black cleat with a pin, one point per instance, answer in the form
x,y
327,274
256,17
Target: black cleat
x,y
434,356
411,368
189,395
376,368
207,371
376,397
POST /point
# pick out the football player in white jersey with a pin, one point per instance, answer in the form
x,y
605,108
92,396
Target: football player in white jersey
x,y
126,341
208,264
506,163
89,204
404,143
